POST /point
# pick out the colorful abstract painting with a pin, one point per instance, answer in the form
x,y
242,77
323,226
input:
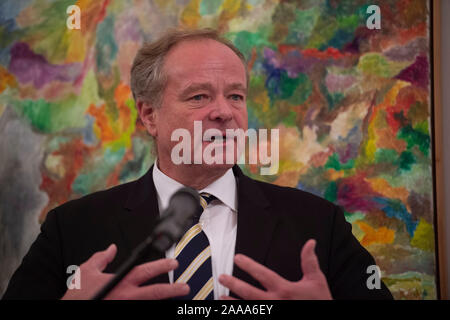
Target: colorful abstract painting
x,y
352,106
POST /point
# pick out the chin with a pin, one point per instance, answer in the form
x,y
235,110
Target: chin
x,y
215,166
224,157
222,166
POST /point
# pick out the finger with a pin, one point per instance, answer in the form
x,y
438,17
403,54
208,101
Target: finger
x,y
242,289
310,263
149,270
101,259
268,278
227,298
161,291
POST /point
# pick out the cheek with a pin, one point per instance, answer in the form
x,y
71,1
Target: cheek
x,y
242,118
164,124
169,122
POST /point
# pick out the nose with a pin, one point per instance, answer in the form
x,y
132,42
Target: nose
x,y
221,110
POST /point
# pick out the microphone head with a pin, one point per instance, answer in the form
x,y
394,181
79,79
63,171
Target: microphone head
x,y
177,217
185,204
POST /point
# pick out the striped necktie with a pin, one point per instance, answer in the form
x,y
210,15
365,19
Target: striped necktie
x,y
194,258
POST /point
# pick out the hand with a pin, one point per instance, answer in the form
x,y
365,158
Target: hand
x,y
313,285
93,279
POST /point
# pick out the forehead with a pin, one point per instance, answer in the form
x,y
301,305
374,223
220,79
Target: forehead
x,y
203,60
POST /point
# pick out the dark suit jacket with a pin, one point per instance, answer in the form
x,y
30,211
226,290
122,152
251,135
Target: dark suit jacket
x,y
273,225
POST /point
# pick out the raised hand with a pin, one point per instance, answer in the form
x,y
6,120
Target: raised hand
x,y
313,285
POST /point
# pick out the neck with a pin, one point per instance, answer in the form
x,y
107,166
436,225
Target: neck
x,y
195,176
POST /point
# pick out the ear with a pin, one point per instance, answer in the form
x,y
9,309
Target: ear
x,y
147,114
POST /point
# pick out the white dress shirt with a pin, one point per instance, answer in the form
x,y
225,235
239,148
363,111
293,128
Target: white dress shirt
x,y
218,221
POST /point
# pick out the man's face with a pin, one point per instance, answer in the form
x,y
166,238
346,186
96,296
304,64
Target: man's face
x,y
206,82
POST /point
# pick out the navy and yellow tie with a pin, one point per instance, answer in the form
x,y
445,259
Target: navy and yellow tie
x,y
194,258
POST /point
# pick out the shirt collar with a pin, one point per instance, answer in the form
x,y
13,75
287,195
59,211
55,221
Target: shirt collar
x,y
223,188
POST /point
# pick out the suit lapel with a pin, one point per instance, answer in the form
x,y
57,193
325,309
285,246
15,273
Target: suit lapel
x,y
255,224
139,217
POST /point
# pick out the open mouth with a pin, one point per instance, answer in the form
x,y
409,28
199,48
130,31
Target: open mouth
x,y
217,139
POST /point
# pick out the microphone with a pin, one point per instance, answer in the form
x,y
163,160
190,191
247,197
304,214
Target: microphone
x,y
183,206
176,218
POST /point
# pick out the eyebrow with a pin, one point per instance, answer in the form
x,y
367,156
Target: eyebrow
x,y
236,86
196,87
208,87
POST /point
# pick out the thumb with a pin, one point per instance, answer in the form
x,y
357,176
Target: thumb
x,y
309,261
101,259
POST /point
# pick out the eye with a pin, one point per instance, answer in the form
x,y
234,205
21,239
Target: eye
x,y
236,97
199,97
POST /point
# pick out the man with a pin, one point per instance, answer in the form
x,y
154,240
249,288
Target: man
x,y
262,241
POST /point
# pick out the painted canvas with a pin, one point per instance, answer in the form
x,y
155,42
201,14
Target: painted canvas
x,y
352,105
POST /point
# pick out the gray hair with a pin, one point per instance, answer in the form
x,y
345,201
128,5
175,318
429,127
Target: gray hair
x,y
147,76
